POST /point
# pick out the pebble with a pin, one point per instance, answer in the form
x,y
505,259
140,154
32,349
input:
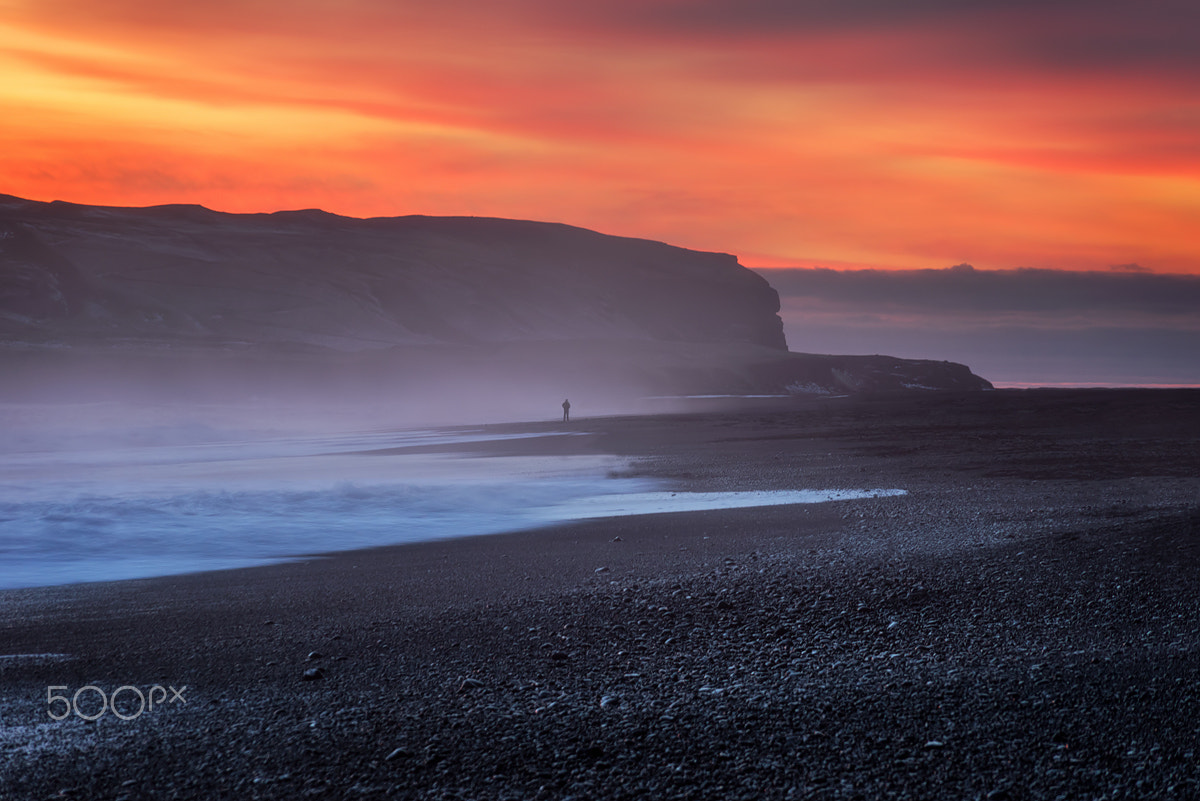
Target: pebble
x,y
312,674
732,710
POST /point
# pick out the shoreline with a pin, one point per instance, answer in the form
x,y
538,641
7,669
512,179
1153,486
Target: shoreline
x,y
1023,624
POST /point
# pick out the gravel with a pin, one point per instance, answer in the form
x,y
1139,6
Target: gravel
x,y
1023,624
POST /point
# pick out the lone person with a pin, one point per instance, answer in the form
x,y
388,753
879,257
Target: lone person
x,y
566,411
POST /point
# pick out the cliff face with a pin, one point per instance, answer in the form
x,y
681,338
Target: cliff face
x,y
183,274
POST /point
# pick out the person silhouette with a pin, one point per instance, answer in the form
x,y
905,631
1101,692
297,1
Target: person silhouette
x,y
566,411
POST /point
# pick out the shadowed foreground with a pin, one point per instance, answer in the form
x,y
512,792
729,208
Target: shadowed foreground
x,y
1023,624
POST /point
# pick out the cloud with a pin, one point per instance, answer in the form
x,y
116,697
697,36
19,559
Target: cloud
x,y
907,132
1069,34
1129,290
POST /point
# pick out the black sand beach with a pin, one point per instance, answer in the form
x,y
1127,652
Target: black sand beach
x,y
1023,624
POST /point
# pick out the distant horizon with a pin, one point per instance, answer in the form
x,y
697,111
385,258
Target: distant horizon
x,y
1018,385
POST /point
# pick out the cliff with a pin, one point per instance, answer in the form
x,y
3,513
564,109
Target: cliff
x,y
172,274
182,301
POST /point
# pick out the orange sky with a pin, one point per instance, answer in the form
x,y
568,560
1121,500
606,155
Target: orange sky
x,y
894,133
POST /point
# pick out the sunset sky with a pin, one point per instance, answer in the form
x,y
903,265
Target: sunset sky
x,y
916,134
908,135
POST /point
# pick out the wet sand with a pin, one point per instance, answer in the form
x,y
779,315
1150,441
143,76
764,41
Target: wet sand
x,y
1024,623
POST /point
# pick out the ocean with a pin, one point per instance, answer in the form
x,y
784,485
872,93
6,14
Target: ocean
x,y
85,506
103,513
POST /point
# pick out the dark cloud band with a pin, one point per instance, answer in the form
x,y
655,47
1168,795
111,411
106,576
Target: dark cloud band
x,y
962,288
